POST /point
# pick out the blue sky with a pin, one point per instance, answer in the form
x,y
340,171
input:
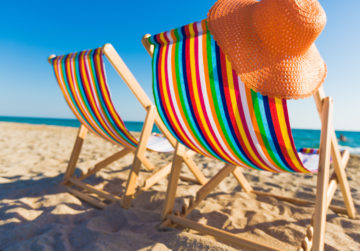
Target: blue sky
x,y
32,30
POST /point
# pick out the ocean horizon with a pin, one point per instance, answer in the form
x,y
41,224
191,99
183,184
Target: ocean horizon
x,y
309,138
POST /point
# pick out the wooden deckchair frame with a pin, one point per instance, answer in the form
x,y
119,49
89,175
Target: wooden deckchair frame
x,y
132,189
326,186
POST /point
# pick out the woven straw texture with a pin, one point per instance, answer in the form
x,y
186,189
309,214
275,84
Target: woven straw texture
x,y
271,44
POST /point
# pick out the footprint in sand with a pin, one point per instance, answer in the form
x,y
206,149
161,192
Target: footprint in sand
x,y
107,223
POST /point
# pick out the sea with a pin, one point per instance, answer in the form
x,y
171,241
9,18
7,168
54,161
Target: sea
x,y
307,138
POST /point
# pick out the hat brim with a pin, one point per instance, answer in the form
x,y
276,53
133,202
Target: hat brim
x,y
288,77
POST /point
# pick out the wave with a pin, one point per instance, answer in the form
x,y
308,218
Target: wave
x,y
352,150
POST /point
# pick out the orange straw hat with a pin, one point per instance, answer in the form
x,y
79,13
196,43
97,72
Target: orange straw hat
x,y
271,44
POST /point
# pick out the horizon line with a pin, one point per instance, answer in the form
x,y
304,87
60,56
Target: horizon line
x,y
29,117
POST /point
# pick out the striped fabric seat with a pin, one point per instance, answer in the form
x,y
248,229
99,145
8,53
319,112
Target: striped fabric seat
x,y
82,79
207,107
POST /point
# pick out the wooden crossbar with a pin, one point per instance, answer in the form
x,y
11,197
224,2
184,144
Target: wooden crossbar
x,y
298,201
146,163
192,167
104,163
239,176
221,234
93,189
156,176
330,193
211,184
207,188
190,179
85,197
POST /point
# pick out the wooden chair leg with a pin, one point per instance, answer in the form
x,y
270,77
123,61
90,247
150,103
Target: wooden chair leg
x,y
140,151
307,243
323,176
194,169
75,153
173,181
319,98
242,180
339,169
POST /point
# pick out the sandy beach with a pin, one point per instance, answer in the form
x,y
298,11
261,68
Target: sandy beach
x,y
36,213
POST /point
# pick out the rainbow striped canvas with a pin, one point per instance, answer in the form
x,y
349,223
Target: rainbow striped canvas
x,y
207,108
82,79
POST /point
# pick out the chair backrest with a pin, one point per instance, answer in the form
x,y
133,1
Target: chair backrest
x,y
82,79
207,108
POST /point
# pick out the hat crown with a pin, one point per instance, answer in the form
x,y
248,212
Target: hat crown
x,y
288,27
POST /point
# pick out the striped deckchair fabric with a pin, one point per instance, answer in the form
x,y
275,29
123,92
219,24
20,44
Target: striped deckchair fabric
x,y
308,151
82,79
207,107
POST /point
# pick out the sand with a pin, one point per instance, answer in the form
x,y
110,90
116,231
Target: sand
x,y
36,213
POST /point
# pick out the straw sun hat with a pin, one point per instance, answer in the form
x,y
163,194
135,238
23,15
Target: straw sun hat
x,y
271,44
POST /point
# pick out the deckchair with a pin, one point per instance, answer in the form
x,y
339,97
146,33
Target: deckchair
x,y
207,108
81,77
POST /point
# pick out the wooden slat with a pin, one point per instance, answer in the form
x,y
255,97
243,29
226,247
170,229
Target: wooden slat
x,y
208,187
173,180
149,48
285,198
331,189
319,96
164,130
156,176
51,57
158,122
335,153
131,185
75,153
190,153
214,181
106,162
189,179
342,179
242,180
134,86
333,179
194,169
126,75
147,164
221,234
86,198
323,176
345,158
297,201
93,189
